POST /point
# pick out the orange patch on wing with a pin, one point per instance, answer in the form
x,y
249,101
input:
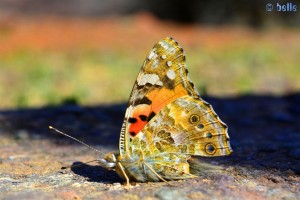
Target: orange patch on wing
x,y
161,98
139,110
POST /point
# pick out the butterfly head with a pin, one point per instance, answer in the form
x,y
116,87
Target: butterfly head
x,y
109,161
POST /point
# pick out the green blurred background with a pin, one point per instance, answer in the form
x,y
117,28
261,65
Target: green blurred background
x,y
54,52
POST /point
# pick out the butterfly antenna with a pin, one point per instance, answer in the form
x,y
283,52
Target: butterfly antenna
x,y
78,165
52,128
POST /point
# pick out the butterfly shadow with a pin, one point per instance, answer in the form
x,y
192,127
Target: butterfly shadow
x,y
95,173
264,135
263,129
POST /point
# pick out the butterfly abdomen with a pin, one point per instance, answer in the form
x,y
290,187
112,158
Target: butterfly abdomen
x,y
141,168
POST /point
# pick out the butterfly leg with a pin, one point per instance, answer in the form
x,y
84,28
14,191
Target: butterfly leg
x,y
161,178
120,166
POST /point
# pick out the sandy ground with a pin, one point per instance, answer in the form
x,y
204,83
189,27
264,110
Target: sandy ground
x,y
264,131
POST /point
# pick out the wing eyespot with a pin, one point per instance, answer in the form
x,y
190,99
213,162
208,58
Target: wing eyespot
x,y
200,126
210,149
208,135
194,118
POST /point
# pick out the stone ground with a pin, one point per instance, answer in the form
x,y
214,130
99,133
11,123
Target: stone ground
x,y
265,164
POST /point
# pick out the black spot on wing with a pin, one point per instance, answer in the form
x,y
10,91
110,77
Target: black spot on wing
x,y
168,83
186,71
197,98
132,133
132,120
171,38
147,85
152,114
144,100
191,83
190,92
143,117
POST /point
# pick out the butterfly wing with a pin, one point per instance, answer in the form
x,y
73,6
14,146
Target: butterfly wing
x,y
187,126
162,79
166,121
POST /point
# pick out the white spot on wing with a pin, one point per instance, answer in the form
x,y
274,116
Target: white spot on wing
x,y
171,74
152,54
164,44
153,79
167,46
169,63
155,64
163,57
159,83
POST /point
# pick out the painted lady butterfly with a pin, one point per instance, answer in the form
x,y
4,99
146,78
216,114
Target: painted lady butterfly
x,y
166,122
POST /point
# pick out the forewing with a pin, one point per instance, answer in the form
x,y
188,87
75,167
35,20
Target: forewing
x,y
162,79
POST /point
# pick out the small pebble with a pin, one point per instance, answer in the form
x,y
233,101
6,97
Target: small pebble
x,y
22,135
167,194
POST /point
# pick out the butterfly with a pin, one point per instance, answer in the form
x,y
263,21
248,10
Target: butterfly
x,y
166,122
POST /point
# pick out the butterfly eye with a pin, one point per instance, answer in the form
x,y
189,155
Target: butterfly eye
x,y
194,118
210,149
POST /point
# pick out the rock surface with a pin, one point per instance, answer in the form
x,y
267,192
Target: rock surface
x,y
265,164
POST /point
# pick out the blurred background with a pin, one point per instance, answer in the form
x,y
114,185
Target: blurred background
x,y
90,52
